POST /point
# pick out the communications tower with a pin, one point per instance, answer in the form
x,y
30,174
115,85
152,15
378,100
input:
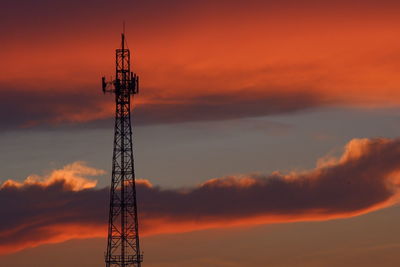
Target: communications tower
x,y
123,248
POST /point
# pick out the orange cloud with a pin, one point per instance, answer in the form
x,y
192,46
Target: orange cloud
x,y
65,205
70,176
278,57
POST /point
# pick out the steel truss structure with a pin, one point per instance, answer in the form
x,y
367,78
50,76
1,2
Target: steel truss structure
x,y
123,248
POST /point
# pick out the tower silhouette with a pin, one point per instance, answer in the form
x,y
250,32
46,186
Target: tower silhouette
x,y
123,248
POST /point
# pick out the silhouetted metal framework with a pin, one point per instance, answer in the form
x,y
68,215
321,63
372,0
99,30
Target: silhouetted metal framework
x,y
123,233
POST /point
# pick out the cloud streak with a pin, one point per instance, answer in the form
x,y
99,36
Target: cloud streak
x,y
86,108
201,60
64,205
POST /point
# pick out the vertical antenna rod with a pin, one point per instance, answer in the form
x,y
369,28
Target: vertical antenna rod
x,y
123,248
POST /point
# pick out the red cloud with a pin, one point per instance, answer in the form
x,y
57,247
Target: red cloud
x,y
61,207
199,56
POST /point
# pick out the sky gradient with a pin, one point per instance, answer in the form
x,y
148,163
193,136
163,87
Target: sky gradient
x,y
269,125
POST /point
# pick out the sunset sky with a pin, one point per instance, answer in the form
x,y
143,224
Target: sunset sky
x,y
265,132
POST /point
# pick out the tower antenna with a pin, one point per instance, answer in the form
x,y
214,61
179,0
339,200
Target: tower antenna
x,y
123,248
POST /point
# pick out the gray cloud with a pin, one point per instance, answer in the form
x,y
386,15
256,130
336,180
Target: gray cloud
x,y
57,109
362,180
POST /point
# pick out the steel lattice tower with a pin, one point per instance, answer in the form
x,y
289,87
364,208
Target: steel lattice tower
x,y
123,248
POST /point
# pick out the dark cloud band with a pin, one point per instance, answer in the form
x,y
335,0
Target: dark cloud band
x,y
364,179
